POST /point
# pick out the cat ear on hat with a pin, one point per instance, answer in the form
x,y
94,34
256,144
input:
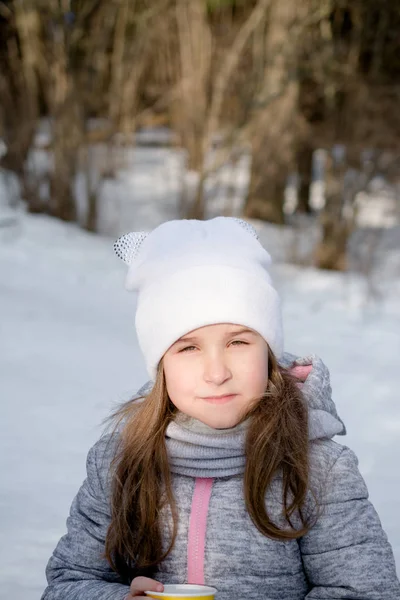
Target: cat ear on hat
x,y
247,227
266,259
127,247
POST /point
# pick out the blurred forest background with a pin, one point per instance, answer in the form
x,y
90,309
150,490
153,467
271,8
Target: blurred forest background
x,y
298,91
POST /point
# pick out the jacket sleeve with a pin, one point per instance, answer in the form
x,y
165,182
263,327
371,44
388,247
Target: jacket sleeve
x,y
346,554
77,569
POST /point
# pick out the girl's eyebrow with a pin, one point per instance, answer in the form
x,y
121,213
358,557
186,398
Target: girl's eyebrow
x,y
186,339
240,331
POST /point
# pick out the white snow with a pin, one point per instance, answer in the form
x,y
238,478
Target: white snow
x,y
69,354
378,208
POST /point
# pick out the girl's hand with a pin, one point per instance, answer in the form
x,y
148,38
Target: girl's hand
x,y
141,584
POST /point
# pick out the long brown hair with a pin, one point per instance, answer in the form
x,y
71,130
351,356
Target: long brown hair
x,y
276,443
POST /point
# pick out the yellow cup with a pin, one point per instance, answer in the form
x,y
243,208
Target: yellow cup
x,y
184,591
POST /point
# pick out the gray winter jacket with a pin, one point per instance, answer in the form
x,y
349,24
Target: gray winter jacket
x,y
345,555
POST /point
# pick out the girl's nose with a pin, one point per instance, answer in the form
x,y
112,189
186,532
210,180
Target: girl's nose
x,y
216,370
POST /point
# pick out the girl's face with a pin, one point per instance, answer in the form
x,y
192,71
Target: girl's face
x,y
215,373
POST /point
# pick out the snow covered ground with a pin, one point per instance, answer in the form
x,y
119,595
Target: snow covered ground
x,y
68,354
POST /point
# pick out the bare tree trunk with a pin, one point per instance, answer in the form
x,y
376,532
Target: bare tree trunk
x,y
203,119
19,105
266,189
273,130
331,252
27,22
195,46
304,169
67,130
196,209
67,138
92,214
117,61
18,120
130,58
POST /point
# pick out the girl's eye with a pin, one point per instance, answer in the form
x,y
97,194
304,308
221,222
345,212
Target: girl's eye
x,y
188,349
239,343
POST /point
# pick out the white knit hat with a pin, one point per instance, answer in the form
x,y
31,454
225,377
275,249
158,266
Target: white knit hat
x,y
190,273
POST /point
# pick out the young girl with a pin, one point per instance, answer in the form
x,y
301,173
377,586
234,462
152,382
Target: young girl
x,y
223,472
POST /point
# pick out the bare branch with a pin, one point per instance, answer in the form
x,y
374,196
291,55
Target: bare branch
x,y
230,63
5,12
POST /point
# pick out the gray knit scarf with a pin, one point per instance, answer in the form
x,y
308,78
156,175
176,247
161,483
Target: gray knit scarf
x,y
196,450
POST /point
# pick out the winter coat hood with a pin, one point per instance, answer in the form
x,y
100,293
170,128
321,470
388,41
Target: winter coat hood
x,y
324,421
